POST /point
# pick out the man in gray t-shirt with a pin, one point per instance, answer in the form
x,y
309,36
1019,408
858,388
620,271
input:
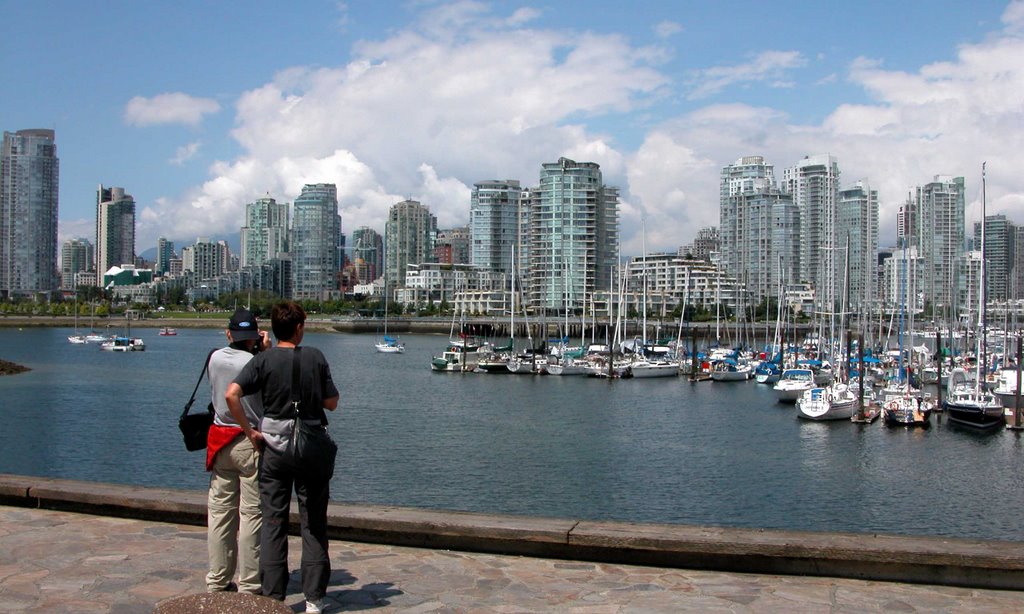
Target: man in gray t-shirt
x,y
233,506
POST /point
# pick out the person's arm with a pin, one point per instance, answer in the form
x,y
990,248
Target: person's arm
x,y
234,399
331,403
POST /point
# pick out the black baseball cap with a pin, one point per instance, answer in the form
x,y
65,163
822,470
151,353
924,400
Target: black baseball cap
x,y
243,326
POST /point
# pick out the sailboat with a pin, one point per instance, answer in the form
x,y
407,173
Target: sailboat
x,y
967,402
388,345
77,338
124,343
902,403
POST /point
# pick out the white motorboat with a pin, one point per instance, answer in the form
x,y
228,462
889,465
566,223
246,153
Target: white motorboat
x,y
123,344
792,384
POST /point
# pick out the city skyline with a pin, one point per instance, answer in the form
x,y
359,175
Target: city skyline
x,y
393,101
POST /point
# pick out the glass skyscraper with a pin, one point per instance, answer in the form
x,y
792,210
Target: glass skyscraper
x,y
115,230
368,253
814,184
316,235
940,205
759,227
265,234
164,254
76,256
408,239
29,178
858,222
573,234
494,225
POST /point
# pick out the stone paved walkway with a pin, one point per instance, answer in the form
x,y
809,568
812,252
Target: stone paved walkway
x,y
64,562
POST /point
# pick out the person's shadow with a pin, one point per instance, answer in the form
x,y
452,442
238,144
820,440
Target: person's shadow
x,y
366,597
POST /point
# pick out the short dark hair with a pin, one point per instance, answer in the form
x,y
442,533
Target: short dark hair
x,y
285,319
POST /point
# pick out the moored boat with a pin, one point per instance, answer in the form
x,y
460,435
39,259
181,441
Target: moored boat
x,y
967,404
729,370
390,345
792,384
123,344
835,402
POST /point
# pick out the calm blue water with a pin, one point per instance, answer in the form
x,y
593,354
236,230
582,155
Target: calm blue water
x,y
661,450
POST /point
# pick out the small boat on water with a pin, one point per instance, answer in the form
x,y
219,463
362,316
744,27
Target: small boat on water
x,y
904,405
167,331
967,404
77,339
835,402
123,344
767,372
390,345
644,367
792,384
460,355
729,370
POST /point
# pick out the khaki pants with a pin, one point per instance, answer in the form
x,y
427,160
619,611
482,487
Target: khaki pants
x,y
233,518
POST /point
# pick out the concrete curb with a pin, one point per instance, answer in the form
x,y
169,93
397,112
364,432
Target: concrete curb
x,y
927,560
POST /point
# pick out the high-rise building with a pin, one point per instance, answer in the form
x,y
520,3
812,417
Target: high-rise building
x,y
205,259
409,237
999,255
368,249
316,232
573,234
708,241
29,177
76,256
759,227
1016,288
164,255
494,224
115,229
814,184
940,205
452,246
858,223
265,234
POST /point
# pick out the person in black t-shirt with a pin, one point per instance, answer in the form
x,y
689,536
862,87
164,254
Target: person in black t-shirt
x,y
270,375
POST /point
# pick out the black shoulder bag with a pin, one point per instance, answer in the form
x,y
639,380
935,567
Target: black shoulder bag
x,y
312,447
194,427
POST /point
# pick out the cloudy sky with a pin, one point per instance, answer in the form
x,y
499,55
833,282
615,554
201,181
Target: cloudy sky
x,y
197,108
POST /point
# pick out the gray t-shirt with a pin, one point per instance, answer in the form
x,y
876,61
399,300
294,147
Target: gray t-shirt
x,y
225,365
270,376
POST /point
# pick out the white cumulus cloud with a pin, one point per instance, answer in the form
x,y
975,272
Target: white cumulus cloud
x,y
171,108
421,115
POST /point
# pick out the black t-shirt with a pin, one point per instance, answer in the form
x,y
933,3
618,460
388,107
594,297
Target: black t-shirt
x,y
270,374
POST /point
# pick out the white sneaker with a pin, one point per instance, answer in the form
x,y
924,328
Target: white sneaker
x,y
315,607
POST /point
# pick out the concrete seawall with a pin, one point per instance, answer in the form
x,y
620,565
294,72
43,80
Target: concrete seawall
x,y
927,560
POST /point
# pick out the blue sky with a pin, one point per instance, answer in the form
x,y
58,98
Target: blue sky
x,y
199,107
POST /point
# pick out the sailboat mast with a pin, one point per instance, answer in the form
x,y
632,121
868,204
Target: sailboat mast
x,y
979,342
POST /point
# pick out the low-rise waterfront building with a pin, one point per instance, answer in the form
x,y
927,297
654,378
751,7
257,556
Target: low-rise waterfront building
x,y
434,282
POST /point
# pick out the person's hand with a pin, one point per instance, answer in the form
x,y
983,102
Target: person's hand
x,y
256,438
264,341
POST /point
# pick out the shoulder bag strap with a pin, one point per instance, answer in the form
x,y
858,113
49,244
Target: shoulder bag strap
x,y
192,399
296,388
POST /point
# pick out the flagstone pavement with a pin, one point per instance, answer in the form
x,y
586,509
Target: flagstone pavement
x,y
67,562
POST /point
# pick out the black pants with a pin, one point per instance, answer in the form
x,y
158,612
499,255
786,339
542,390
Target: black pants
x,y
277,476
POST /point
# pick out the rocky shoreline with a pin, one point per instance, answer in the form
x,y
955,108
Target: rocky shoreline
x,y
10,368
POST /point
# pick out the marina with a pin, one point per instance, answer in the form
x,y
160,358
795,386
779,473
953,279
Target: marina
x,y
640,450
